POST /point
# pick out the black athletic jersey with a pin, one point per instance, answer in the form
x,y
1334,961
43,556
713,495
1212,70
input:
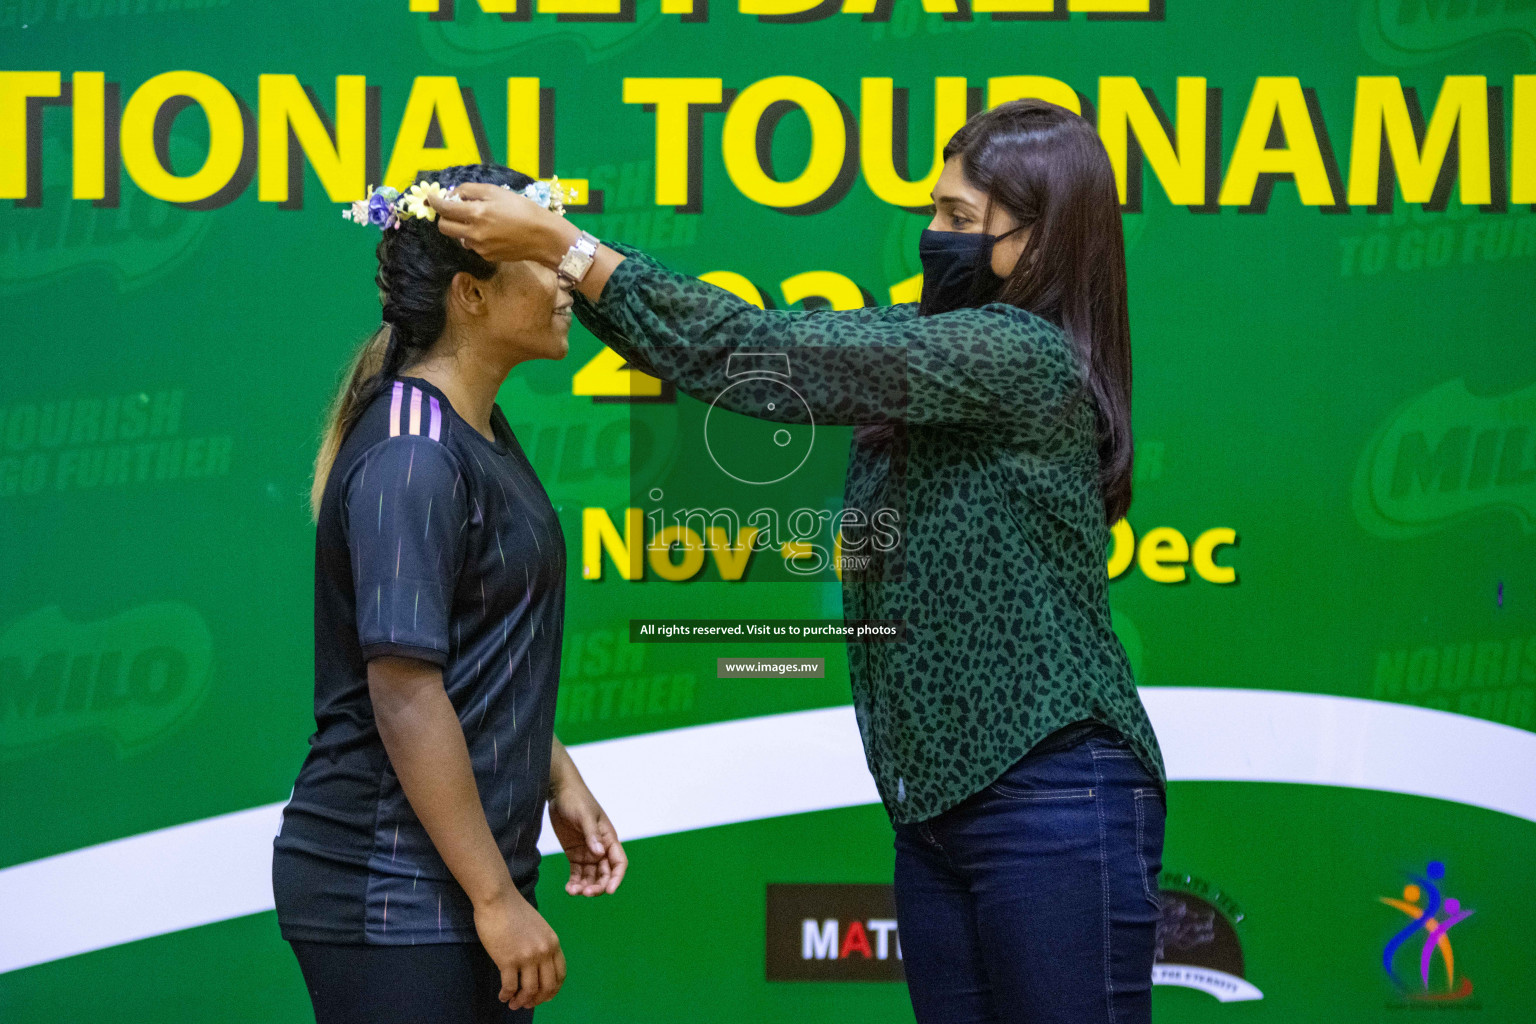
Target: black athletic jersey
x,y
432,543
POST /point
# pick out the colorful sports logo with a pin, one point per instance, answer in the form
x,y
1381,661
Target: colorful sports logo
x,y
1434,914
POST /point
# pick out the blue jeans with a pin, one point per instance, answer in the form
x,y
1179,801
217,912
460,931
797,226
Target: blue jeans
x,y
1035,900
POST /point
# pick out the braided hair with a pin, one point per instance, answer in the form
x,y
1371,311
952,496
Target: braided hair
x,y
416,264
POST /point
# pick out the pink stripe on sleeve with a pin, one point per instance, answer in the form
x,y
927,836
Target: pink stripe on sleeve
x,y
437,420
415,410
394,409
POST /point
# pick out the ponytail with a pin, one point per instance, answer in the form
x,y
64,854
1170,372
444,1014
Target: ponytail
x,y
360,383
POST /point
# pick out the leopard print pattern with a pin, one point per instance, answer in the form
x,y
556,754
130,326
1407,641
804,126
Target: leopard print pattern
x,y
975,429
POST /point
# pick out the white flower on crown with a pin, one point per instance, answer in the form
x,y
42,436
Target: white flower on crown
x,y
549,194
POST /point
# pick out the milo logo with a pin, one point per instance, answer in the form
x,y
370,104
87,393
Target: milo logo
x,y
1445,455
131,677
138,239
473,37
1407,32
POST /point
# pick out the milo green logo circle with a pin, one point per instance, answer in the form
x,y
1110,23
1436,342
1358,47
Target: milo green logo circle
x,y
1403,33
1445,455
474,38
133,676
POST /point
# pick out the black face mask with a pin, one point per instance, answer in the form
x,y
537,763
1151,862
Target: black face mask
x,y
957,270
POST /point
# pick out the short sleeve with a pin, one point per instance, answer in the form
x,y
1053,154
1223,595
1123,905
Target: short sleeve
x,y
406,513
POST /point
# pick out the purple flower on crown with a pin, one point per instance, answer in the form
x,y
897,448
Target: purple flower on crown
x,y
381,207
376,209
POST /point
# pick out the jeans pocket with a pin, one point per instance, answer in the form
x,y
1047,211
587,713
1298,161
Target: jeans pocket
x,y
1150,817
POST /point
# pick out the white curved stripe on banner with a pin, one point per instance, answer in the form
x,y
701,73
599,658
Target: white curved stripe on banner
x,y
745,770
1227,988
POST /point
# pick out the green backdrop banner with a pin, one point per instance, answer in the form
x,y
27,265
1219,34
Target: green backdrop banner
x,y
1330,217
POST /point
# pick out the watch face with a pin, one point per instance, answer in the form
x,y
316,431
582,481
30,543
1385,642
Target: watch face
x,y
753,450
574,265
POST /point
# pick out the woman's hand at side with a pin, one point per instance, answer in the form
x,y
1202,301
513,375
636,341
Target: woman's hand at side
x,y
425,744
523,946
590,841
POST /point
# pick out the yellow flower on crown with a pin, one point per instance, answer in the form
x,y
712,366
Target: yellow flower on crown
x,y
413,202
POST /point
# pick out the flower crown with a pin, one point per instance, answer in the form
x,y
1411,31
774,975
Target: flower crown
x,y
386,207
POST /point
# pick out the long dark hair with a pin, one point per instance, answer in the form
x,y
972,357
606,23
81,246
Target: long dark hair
x,y
1046,166
416,264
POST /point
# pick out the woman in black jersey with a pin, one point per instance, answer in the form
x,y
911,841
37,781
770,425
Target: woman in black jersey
x,y
404,871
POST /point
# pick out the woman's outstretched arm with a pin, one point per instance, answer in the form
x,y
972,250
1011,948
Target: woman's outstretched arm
x,y
996,366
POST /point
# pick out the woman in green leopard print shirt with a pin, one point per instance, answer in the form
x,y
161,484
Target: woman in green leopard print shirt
x,y
1004,732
